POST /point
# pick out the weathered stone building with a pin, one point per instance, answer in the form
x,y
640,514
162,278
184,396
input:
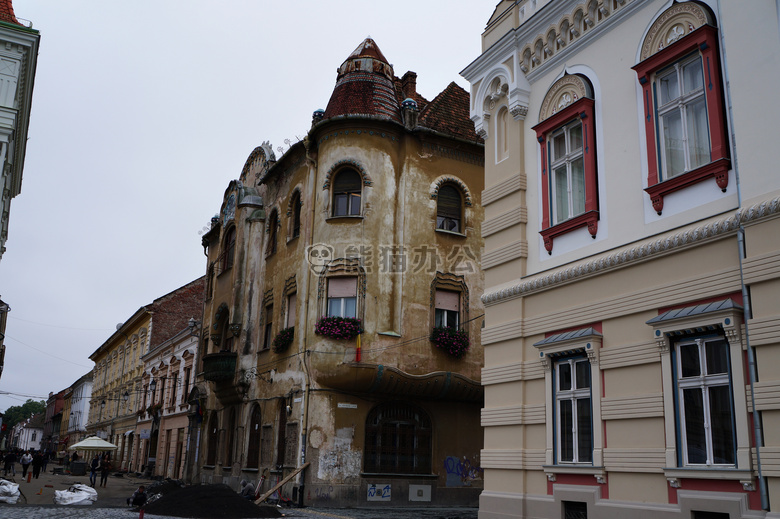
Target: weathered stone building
x,y
371,223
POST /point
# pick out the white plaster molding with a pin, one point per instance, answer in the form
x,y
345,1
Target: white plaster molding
x,y
641,252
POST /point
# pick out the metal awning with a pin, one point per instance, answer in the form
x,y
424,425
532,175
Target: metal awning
x,y
696,310
568,336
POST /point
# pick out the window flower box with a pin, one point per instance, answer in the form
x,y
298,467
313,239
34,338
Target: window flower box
x,y
283,339
153,410
338,327
451,340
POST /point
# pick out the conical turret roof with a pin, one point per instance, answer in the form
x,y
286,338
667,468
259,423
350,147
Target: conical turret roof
x,y
7,12
365,85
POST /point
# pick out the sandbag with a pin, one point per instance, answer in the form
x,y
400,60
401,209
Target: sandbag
x,y
9,492
77,494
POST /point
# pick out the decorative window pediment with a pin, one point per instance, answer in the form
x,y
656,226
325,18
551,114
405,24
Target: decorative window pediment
x,y
583,340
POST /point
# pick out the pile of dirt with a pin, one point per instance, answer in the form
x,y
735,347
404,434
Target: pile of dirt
x,y
204,501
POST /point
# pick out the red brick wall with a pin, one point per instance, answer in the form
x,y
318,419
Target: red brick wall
x,y
172,312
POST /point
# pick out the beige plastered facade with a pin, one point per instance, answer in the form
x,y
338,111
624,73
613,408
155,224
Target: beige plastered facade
x,y
593,293
117,372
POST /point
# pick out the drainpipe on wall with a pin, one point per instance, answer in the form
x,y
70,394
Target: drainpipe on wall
x,y
312,162
752,370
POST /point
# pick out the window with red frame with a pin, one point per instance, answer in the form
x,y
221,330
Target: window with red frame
x,y
566,136
682,96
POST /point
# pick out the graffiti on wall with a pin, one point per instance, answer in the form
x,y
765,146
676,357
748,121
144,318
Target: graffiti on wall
x,y
380,492
461,472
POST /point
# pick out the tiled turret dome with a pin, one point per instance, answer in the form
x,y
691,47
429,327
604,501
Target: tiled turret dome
x,y
365,85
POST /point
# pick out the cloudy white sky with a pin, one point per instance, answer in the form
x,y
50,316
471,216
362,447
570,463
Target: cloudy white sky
x,y
142,113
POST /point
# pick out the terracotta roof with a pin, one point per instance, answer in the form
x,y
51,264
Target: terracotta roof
x,y
366,85
7,12
449,113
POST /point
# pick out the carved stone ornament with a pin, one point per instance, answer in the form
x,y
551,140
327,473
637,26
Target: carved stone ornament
x,y
676,22
567,90
519,112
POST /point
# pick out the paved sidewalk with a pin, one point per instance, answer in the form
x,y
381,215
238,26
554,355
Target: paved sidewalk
x,y
112,503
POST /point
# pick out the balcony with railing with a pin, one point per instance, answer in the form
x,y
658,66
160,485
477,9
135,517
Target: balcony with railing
x,y
220,366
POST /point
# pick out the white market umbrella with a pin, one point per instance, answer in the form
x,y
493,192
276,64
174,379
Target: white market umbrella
x,y
93,443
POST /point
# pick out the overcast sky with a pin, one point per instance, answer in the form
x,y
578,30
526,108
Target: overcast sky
x,y
142,113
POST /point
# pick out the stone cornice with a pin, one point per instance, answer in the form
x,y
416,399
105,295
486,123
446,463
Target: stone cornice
x,y
635,253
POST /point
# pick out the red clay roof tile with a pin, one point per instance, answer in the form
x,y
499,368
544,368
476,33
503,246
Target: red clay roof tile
x,y
7,12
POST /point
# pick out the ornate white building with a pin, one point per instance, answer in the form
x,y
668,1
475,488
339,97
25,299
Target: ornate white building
x,y
632,259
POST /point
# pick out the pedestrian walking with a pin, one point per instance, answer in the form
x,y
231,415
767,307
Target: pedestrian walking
x,y
26,460
105,467
10,463
37,463
94,467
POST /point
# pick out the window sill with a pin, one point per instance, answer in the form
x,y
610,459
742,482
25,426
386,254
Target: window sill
x,y
745,477
249,470
587,470
209,467
588,218
719,170
263,350
292,239
713,473
344,218
225,271
451,233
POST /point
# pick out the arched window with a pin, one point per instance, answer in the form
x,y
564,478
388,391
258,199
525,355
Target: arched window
x,y
255,436
449,209
228,253
347,188
273,223
295,231
502,141
398,440
683,96
213,438
569,175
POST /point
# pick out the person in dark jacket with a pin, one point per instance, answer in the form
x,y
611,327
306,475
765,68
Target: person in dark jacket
x,y
105,467
94,466
10,463
37,463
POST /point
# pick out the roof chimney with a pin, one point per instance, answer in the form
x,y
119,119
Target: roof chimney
x,y
409,84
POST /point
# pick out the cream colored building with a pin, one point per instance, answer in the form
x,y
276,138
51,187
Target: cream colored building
x,y
116,384
374,216
632,259
163,415
117,391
